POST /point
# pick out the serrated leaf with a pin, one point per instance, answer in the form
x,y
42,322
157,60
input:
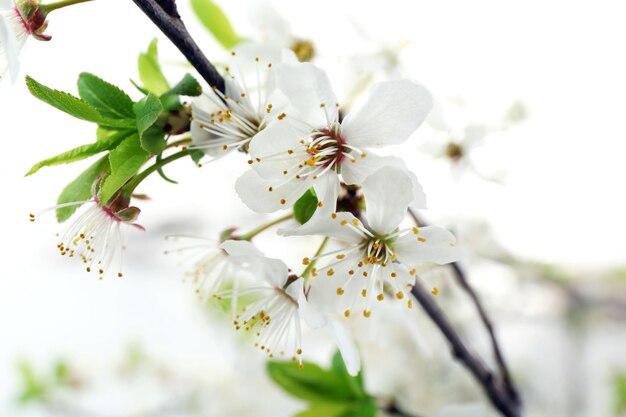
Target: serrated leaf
x,y
153,140
80,189
108,99
147,111
150,72
311,383
215,20
325,410
188,86
83,151
124,162
73,105
305,207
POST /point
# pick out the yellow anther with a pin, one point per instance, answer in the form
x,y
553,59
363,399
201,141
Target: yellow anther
x,y
330,272
364,292
306,261
380,297
281,116
283,201
367,313
394,275
435,291
341,256
351,272
412,271
334,215
415,230
344,222
340,291
346,313
409,303
421,239
399,295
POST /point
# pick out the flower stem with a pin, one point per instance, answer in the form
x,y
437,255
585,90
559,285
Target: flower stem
x,y
248,236
311,265
133,183
60,4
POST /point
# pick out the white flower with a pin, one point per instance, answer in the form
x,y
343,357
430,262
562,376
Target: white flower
x,y
275,317
380,257
226,122
311,147
213,268
13,35
95,237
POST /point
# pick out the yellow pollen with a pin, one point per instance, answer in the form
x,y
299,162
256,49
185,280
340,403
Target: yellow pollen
x,y
314,272
409,303
399,295
270,189
363,155
344,222
320,204
334,215
322,105
281,116
412,271
330,273
340,291
346,313
351,272
435,291
380,297
393,275
367,313
416,230
306,261
421,239
364,292
283,201
299,351
119,274
364,273
225,147
355,222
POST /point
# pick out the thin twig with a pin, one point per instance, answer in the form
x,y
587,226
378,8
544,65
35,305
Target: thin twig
x,y
502,392
165,16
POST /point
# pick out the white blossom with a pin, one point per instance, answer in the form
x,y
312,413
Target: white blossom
x,y
310,147
223,122
380,258
13,35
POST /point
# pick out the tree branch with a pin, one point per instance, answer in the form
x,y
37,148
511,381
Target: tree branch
x,y
501,391
165,16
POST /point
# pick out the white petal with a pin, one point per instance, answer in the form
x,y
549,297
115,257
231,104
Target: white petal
x,y
311,315
249,71
392,113
473,134
346,346
388,193
255,192
337,227
240,248
308,88
356,172
9,50
431,244
272,151
273,27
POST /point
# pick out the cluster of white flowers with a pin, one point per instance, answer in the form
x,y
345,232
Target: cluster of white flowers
x,y
285,115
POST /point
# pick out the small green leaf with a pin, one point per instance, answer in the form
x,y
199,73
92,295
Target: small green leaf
x,y
196,155
33,388
80,189
325,410
153,140
363,408
108,99
188,86
354,383
620,394
306,205
73,105
125,161
311,383
150,72
147,111
214,19
83,151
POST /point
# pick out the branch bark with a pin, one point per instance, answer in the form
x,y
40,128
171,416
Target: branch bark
x,y
500,389
165,16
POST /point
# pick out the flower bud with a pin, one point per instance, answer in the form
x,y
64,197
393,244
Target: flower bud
x,y
33,17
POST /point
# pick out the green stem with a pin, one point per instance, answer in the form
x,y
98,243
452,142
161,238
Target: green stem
x,y
248,236
60,4
311,265
133,183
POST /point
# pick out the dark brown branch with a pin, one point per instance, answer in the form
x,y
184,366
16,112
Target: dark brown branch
x,y
165,16
501,391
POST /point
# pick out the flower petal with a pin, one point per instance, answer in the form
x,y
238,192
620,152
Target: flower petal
x,y
9,50
240,248
392,113
356,172
311,315
335,225
266,196
309,92
347,347
275,150
430,244
388,193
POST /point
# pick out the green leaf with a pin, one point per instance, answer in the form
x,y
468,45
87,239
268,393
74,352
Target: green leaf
x,y
311,383
33,389
125,161
73,105
83,151
150,72
325,410
214,19
80,189
188,86
363,408
620,393
153,140
108,99
306,205
147,111
354,383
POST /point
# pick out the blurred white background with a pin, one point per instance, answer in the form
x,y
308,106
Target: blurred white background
x,y
562,203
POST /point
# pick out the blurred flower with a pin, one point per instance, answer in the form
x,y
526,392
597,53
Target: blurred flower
x,y
378,251
223,122
311,147
95,236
